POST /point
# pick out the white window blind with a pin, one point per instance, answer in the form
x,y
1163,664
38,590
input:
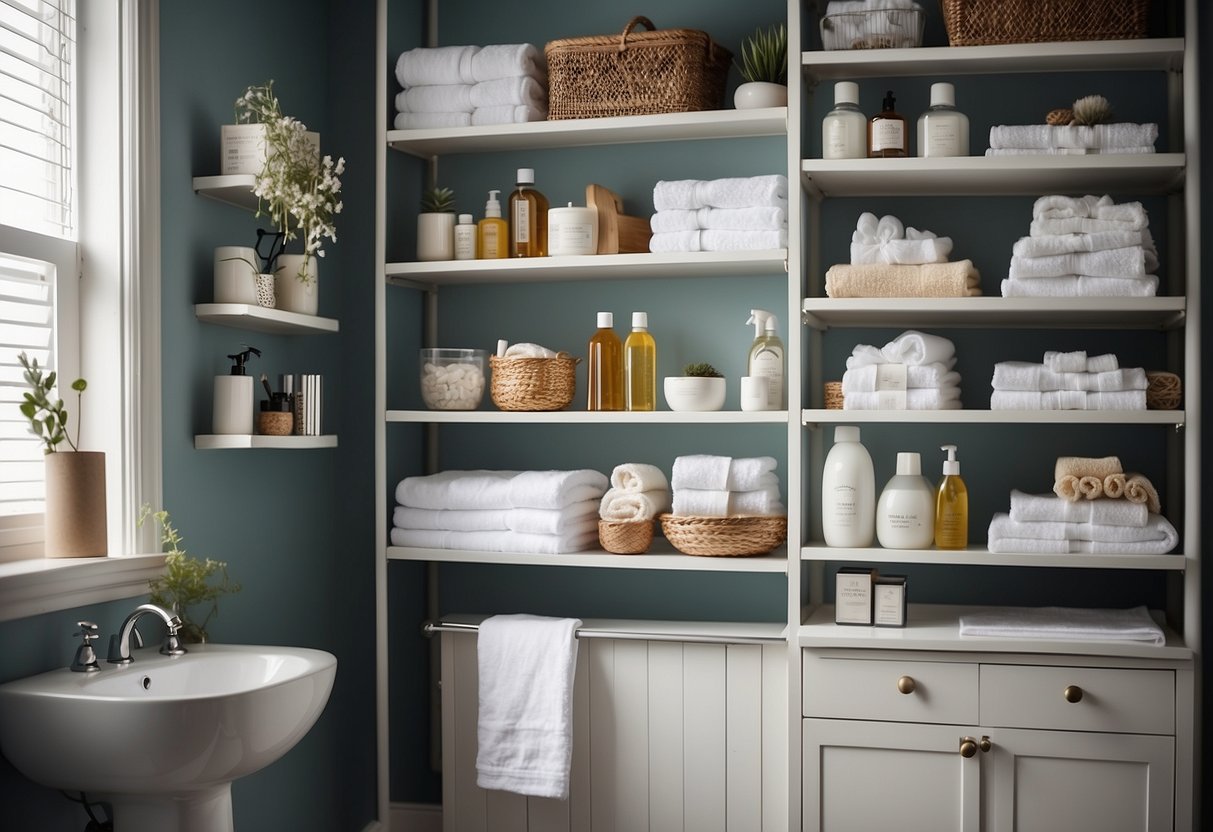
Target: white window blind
x,y
26,325
37,66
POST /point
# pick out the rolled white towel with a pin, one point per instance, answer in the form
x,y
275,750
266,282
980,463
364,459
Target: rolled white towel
x,y
572,519
1049,508
1125,262
638,476
1102,136
1079,362
710,472
465,520
913,347
504,60
889,228
420,121
473,489
518,89
436,65
633,505
509,114
528,350
444,98
865,229
556,489
864,379
1081,286
931,398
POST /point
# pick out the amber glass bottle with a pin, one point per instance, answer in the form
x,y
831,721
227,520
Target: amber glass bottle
x,y
887,133
528,218
604,375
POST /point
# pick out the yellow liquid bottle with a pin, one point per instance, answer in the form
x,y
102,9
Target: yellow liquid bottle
x,y
494,232
604,374
951,506
640,365
528,218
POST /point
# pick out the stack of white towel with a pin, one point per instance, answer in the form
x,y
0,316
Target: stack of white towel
x,y
456,86
911,372
1047,524
1084,247
1071,139
1094,383
730,214
638,492
721,486
541,512
889,260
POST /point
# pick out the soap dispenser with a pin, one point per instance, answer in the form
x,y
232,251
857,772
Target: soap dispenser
x,y
951,505
766,355
233,409
887,135
905,513
494,231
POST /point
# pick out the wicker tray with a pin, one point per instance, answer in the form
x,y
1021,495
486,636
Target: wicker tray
x,y
533,383
980,22
635,73
724,536
625,537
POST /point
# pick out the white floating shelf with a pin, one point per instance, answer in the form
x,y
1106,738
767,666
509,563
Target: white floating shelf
x,y
660,556
234,189
260,319
1146,173
581,417
813,418
1085,56
1025,313
981,556
698,264
584,132
211,442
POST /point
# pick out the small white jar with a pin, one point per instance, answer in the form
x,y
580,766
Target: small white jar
x,y
572,230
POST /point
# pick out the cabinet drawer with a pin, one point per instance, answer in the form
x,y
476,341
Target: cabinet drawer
x,y
1105,699
897,689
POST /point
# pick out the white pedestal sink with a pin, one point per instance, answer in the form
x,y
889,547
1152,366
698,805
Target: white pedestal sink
x,y
163,738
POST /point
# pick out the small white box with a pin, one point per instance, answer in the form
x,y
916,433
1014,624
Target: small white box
x,y
889,601
242,148
853,595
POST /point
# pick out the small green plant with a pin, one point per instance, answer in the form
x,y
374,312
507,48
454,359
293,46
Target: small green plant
x,y
764,55
47,416
702,370
187,581
437,201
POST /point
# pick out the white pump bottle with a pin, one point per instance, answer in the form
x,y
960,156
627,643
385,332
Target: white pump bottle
x,y
766,356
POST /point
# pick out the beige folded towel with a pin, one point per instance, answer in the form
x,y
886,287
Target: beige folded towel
x,y
884,280
1067,488
1139,489
1114,486
1084,466
1090,487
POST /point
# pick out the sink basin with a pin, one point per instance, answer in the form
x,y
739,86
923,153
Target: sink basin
x,y
163,737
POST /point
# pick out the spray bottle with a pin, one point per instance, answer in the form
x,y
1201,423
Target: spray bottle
x,y
233,409
766,355
951,505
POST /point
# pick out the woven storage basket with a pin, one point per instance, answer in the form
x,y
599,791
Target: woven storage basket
x,y
631,537
980,22
635,73
833,395
724,536
533,383
1164,391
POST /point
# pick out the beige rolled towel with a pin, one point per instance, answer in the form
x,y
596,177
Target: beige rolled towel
x,y
1084,466
1067,488
885,280
1139,489
1090,487
1114,486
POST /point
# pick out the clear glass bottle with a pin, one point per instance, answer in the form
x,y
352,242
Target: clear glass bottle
x,y
943,130
951,505
887,135
604,373
640,366
528,218
844,130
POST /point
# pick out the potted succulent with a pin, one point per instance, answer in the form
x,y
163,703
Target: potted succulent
x,y
436,225
699,387
764,66
75,480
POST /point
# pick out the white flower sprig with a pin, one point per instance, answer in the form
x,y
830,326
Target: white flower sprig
x,y
298,191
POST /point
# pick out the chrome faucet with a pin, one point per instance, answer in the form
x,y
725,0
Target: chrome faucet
x,y
86,657
120,642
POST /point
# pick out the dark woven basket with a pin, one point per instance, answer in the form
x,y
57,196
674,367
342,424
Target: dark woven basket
x,y
982,22
635,73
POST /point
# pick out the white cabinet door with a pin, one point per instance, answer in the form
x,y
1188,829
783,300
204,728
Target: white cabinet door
x,y
866,776
1036,781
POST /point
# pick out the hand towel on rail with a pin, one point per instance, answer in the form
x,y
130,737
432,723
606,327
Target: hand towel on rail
x,y
883,280
1068,623
422,121
711,472
1036,508
444,98
638,476
1081,286
524,727
436,65
476,489
461,520
1102,136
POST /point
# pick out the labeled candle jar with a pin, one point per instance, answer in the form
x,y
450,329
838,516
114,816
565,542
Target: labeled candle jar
x,y
452,379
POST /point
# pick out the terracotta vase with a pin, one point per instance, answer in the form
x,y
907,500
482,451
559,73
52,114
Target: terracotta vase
x,y
75,505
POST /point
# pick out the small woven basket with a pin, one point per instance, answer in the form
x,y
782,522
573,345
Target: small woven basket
x,y
981,22
1164,391
625,537
533,383
635,73
833,395
724,536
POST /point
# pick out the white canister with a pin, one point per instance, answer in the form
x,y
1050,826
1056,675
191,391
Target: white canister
x,y
236,275
754,392
572,230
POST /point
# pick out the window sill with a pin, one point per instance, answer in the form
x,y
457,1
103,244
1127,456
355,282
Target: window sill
x,y
33,587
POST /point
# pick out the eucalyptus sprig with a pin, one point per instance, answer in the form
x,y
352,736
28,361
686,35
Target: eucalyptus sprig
x,y
764,55
47,416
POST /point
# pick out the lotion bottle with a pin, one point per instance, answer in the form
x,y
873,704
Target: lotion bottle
x,y
604,373
494,231
905,514
528,218
848,492
766,355
233,406
887,135
844,130
943,130
640,365
465,238
951,505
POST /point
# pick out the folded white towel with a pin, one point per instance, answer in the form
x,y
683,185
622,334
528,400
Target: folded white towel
x,y
524,726
713,240
1078,361
667,241
1067,151
443,98
638,476
865,379
932,398
509,114
1060,207
764,218
733,192
633,505
477,489
496,541
504,60
866,355
674,220
528,350
710,472
1082,286
1037,508
1113,262
1067,243
1067,400
573,519
1103,136
422,121
556,489
517,89
1081,225
847,6
436,65
1024,375
695,502
1068,623
462,520
1157,530
918,348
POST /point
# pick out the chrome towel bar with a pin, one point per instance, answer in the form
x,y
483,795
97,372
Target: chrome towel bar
x,y
429,628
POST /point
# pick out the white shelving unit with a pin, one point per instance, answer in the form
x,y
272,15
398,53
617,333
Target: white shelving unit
x,y
981,556
259,319
583,417
233,189
814,418
230,441
660,556
1022,313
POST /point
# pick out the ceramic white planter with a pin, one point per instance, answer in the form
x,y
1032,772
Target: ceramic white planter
x,y
755,94
235,275
436,236
694,393
293,294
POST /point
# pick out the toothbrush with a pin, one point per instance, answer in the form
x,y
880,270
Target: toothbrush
x,y
265,382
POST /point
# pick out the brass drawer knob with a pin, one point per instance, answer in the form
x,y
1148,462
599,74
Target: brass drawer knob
x,y
968,747
906,684
1072,693
985,743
